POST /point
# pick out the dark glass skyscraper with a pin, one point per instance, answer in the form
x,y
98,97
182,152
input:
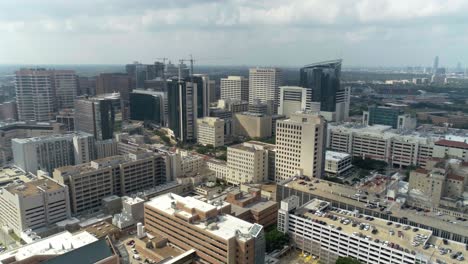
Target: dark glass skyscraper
x,y
322,81
147,106
182,109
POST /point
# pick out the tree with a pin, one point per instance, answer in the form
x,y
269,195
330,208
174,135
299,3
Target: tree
x,y
347,260
275,239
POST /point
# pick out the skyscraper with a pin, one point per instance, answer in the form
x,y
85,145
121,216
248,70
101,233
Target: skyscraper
x,y
264,85
324,92
39,92
95,116
182,108
66,86
148,106
435,66
235,87
300,146
203,94
114,82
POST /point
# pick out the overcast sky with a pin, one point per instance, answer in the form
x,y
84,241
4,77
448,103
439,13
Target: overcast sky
x,y
234,32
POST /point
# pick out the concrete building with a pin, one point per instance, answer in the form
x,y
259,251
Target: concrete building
x,y
89,183
210,131
217,238
106,148
35,204
219,167
64,247
292,99
132,212
264,85
251,125
66,87
440,183
344,197
234,105
248,162
67,118
8,111
9,131
49,152
107,83
328,233
235,87
337,164
395,147
95,116
300,146
248,204
394,117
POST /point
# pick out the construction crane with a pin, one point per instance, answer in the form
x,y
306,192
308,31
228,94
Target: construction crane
x,y
181,61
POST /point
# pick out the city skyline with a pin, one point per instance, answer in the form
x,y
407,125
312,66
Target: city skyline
x,y
363,33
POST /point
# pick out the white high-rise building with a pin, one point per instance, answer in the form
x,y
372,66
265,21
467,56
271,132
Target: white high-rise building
x,y
264,85
49,152
34,95
235,87
292,99
210,131
40,92
300,146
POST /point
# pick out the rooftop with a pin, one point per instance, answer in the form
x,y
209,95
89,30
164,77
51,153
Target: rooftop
x,y
355,224
53,245
349,195
227,226
337,156
34,187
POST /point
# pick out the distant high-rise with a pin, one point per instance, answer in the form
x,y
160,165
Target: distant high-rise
x,y
300,146
95,116
324,91
435,65
235,87
203,94
182,108
39,92
114,82
264,85
66,87
146,105
140,73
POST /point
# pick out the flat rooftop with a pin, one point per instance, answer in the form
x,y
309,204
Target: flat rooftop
x,y
34,187
53,245
347,194
393,232
227,225
336,156
12,174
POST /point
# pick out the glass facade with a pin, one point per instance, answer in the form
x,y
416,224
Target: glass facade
x,y
384,116
322,81
145,107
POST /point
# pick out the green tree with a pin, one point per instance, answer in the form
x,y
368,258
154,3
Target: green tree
x,y
275,239
347,260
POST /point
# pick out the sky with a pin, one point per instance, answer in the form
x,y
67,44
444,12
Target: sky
x,y
235,32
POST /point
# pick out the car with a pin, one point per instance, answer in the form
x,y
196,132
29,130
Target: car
x,y
137,257
134,251
389,223
131,242
445,241
415,229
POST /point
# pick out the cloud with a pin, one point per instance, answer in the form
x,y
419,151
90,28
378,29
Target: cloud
x,y
292,28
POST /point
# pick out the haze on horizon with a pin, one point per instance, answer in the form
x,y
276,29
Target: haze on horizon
x,y
235,32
